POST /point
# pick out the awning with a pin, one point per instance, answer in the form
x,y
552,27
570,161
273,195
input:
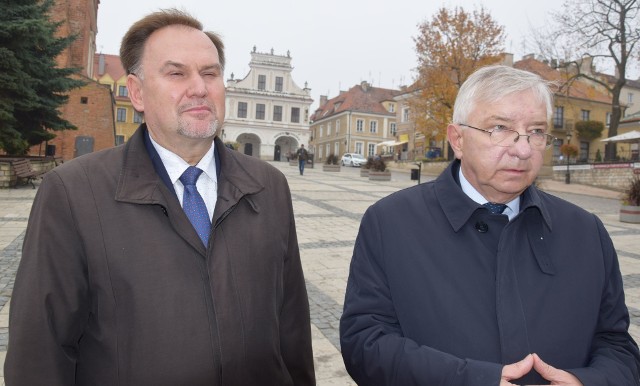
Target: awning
x,y
391,143
632,136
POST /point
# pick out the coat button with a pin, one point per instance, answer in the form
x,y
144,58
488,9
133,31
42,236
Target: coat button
x,y
482,227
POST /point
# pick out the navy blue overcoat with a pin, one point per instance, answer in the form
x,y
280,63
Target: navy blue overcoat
x,y
441,292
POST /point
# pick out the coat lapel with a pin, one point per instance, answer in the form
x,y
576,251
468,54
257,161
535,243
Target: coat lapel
x,y
140,183
234,183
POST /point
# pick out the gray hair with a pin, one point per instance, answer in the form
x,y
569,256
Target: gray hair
x,y
492,83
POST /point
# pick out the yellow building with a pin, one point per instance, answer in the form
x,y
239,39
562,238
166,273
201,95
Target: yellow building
x,y
582,101
411,144
356,121
108,70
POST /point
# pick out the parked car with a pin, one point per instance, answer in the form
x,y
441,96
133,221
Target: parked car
x,y
353,159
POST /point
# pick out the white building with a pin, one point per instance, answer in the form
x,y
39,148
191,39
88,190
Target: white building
x,y
266,112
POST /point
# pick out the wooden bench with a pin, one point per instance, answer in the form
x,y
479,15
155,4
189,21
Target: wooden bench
x,y
23,169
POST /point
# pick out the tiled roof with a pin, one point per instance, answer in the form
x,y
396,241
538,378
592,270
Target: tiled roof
x,y
112,66
612,79
360,98
580,88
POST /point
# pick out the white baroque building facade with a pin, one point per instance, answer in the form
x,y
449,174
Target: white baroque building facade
x,y
267,114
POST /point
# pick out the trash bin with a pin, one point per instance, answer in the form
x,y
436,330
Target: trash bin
x,y
415,174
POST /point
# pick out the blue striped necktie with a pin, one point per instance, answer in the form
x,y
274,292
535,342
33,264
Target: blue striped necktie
x,y
193,204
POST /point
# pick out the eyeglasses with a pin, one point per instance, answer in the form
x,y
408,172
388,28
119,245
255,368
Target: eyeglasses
x,y
501,136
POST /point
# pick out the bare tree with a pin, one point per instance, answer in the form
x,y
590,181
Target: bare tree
x,y
590,32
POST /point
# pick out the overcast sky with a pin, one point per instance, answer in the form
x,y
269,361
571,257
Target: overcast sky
x,y
334,44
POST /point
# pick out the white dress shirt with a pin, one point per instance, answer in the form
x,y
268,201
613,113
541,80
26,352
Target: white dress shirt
x,y
207,183
513,206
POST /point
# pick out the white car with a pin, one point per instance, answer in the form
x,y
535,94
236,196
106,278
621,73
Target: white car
x,y
353,159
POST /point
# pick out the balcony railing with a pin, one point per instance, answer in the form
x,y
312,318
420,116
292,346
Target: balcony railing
x,y
561,125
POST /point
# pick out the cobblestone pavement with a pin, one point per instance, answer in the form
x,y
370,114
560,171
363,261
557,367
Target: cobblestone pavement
x,y
328,208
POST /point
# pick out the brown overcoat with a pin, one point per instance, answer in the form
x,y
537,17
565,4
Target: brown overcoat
x,y
116,288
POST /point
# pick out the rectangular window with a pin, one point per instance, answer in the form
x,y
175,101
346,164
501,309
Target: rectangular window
x,y
137,117
321,131
557,155
260,109
405,115
119,140
373,127
336,148
328,148
360,125
584,151
585,115
295,114
558,117
630,98
262,82
392,128
279,82
328,129
359,147
123,91
372,150
392,107
337,126
242,109
277,113
122,114
608,118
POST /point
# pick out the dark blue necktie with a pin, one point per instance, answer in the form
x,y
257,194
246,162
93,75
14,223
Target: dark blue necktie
x,y
495,208
193,204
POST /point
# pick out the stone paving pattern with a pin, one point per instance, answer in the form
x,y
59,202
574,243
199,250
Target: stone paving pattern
x,y
328,208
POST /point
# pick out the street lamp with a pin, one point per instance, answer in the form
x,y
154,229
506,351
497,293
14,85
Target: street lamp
x,y
567,177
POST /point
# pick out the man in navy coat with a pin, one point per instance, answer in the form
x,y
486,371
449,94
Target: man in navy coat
x,y
479,278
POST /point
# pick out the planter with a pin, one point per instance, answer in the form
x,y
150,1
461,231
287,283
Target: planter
x,y
364,172
330,168
630,214
379,176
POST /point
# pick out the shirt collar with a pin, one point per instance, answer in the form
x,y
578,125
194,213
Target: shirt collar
x,y
513,206
175,165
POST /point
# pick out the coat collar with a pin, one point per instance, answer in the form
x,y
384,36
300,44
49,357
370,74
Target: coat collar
x,y
141,177
138,182
459,208
141,182
235,180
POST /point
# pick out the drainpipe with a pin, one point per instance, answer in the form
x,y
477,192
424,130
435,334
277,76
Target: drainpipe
x,y
349,133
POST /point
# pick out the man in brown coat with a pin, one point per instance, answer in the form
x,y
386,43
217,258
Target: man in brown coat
x,y
134,273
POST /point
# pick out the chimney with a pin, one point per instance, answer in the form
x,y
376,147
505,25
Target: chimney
x,y
101,64
323,100
586,65
364,85
507,59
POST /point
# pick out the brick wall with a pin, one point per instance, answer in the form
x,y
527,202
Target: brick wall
x,y
95,119
611,176
77,17
90,108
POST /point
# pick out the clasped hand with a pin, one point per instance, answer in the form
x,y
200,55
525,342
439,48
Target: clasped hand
x,y
548,372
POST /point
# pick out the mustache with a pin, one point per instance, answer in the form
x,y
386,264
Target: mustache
x,y
196,103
